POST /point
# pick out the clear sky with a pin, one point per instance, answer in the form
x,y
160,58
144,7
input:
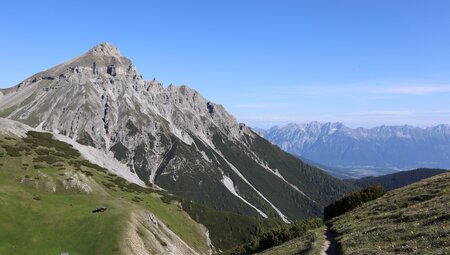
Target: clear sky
x,y
364,63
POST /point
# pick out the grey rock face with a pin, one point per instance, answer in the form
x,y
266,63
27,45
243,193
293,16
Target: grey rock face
x,y
100,99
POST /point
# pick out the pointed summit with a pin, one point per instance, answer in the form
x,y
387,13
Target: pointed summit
x,y
105,49
170,137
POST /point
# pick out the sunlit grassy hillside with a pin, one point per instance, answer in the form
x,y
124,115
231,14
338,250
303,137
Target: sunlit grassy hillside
x,y
47,193
411,220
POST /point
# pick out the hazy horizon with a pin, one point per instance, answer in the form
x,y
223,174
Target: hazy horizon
x,y
269,125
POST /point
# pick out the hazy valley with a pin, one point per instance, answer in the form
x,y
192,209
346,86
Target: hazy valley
x,y
350,153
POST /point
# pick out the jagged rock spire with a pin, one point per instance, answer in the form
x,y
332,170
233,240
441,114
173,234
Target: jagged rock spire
x,y
105,49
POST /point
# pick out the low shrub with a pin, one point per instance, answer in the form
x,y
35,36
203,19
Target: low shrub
x,y
12,151
352,201
49,159
35,139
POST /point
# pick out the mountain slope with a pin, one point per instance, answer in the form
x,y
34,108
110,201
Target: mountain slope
x,y
397,180
225,229
47,193
370,150
410,220
171,137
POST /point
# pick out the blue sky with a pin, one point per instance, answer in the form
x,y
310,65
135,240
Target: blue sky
x,y
364,63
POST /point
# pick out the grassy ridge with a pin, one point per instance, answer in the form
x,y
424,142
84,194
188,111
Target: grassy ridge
x,y
36,221
397,180
38,215
410,220
56,224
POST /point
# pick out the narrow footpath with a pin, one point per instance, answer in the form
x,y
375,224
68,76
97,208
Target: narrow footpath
x,y
330,246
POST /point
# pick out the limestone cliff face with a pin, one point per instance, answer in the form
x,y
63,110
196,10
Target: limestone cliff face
x,y
100,99
172,136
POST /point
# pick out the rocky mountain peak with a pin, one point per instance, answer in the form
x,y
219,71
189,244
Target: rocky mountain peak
x,y
105,49
111,88
172,137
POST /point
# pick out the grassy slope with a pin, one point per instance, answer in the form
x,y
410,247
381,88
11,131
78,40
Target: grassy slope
x,y
35,220
309,244
411,220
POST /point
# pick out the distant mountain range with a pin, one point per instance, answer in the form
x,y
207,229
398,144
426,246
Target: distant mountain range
x,y
347,152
